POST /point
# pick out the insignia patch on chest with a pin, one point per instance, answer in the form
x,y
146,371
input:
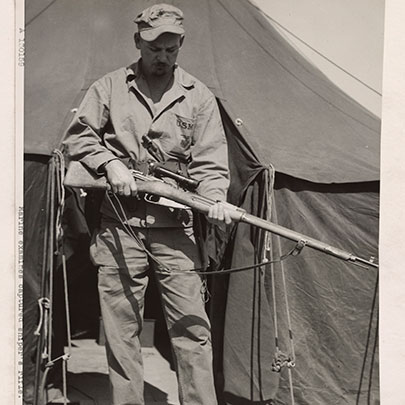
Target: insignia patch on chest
x,y
184,124
186,141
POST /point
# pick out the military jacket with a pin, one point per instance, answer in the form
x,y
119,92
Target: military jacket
x,y
185,125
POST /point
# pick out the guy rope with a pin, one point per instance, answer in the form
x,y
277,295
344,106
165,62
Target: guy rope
x,y
53,256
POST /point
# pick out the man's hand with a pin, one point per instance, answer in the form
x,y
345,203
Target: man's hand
x,y
219,214
120,178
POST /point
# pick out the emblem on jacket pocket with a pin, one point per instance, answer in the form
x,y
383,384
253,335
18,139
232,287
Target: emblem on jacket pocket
x,y
184,123
186,126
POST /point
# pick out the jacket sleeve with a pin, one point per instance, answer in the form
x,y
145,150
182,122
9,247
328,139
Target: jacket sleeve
x,y
209,153
84,139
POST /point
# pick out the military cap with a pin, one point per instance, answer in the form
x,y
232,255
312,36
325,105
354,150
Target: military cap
x,y
157,19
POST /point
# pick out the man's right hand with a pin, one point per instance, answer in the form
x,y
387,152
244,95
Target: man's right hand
x,y
120,178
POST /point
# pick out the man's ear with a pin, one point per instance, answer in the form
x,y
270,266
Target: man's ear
x,y
181,40
137,40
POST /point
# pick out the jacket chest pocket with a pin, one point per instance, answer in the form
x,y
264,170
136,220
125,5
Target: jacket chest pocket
x,y
184,130
176,133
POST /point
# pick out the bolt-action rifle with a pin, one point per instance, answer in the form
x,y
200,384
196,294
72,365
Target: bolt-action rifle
x,y
154,187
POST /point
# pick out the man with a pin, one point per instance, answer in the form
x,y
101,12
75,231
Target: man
x,y
152,97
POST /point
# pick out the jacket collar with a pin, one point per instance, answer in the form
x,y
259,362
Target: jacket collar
x,y
181,77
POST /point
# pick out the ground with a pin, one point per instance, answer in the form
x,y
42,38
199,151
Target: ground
x,y
87,378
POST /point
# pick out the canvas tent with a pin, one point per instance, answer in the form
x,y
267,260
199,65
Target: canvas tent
x,y
278,111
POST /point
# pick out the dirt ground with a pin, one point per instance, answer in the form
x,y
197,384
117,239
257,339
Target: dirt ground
x,y
87,379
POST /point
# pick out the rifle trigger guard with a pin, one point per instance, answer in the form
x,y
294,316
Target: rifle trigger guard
x,y
152,198
298,248
159,200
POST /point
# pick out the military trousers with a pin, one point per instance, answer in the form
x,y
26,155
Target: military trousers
x,y
122,281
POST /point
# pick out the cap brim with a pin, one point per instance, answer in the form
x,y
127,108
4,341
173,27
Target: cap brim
x,y
152,33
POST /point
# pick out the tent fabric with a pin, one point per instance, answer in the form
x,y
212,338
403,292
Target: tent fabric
x,y
334,304
35,175
249,324
289,112
82,278
277,110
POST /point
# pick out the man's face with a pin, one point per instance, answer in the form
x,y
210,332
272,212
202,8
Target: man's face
x,y
160,55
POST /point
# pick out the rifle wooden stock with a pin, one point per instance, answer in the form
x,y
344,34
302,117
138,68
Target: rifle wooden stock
x,y
79,176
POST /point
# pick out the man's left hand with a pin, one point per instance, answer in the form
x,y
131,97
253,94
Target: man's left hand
x,y
218,214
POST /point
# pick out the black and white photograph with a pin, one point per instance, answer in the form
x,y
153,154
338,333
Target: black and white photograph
x,y
200,216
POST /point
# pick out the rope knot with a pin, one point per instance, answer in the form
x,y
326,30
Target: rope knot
x,y
281,360
64,357
44,303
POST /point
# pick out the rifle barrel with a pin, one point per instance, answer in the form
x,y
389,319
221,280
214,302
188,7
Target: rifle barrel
x,y
202,204
307,241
